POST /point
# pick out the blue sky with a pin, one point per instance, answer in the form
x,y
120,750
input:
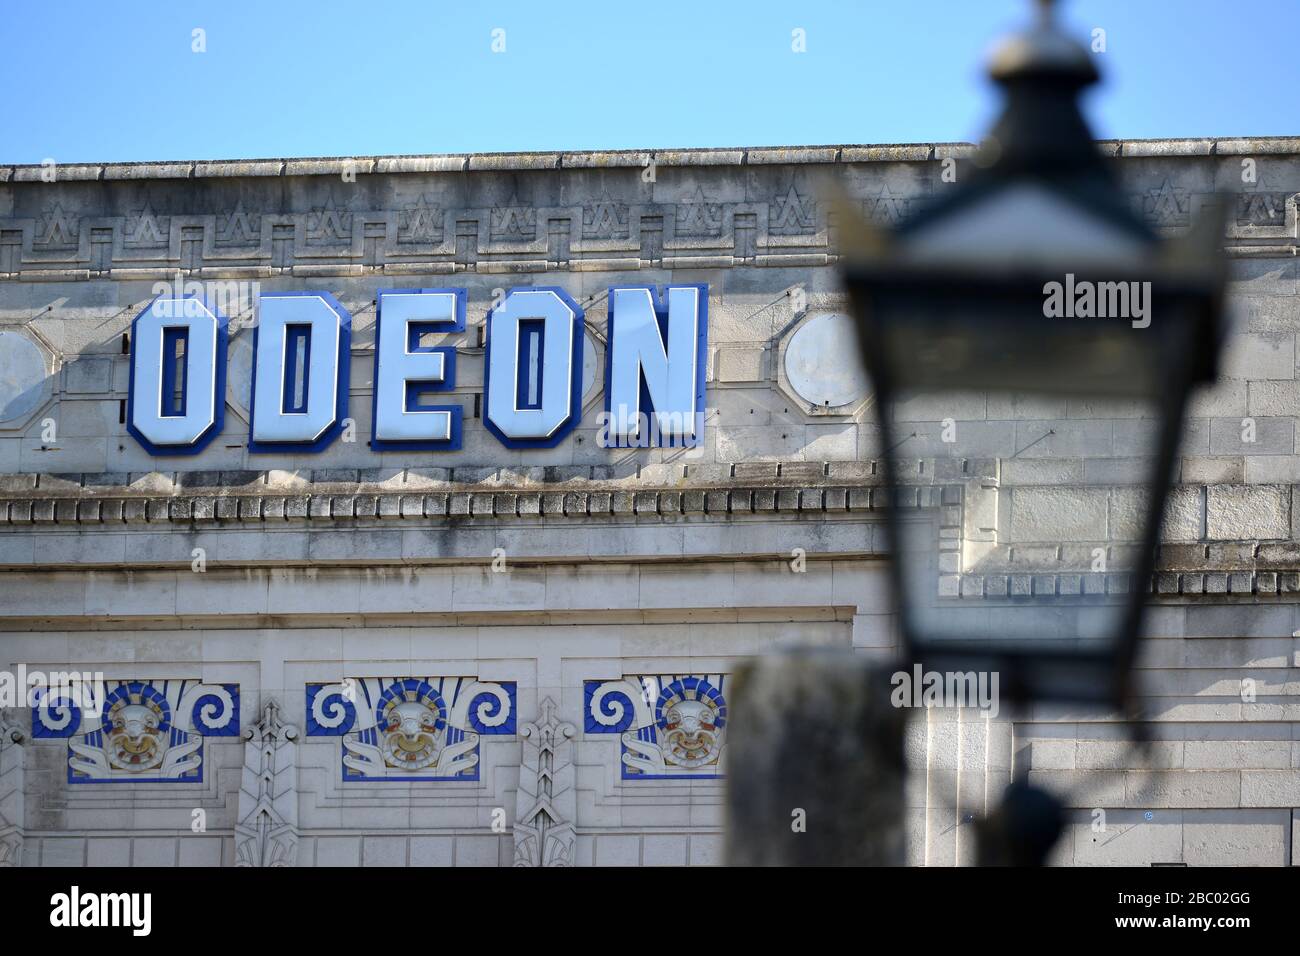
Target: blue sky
x,y
95,81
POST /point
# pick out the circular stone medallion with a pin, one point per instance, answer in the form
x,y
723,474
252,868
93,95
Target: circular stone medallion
x,y
822,362
22,376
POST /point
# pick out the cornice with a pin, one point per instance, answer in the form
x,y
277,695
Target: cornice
x,y
411,494
333,499
608,159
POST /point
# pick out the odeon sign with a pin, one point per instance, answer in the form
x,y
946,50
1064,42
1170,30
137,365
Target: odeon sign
x,y
532,376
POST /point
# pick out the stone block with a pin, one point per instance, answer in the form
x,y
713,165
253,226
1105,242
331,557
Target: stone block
x,y
1270,788
762,443
88,376
1249,435
1127,840
1219,471
741,365
614,850
200,851
155,851
1265,399
383,851
71,852
431,851
706,850
1183,788
1064,439
1058,514
338,851
1257,356
108,851
668,850
1235,838
1224,399
1243,512
838,442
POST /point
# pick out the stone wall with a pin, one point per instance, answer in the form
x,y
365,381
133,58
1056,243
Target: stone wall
x,y
251,580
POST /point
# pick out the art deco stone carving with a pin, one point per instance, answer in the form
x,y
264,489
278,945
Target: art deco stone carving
x,y
267,831
547,797
696,216
144,731
671,725
513,222
1166,205
239,227
11,793
420,221
816,371
330,222
26,380
412,728
1261,209
888,208
607,219
57,227
792,214
144,227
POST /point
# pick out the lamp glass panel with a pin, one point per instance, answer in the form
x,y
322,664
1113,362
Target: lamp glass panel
x,y
1033,542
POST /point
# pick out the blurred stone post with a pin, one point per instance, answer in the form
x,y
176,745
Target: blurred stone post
x,y
815,765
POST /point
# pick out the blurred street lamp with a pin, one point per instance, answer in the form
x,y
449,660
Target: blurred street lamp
x,y
1034,288
1034,281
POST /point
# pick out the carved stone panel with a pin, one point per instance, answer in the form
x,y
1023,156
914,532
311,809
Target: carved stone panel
x,y
671,725
547,795
267,831
11,793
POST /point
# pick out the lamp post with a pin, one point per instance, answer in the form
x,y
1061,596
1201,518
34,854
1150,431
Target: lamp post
x,y
1031,284
1034,281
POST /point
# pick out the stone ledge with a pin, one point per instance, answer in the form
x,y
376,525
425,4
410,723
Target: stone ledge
x,y
72,172
328,167
1166,147
485,478
187,509
710,491
421,164
512,161
155,170
1164,583
900,153
738,156
272,167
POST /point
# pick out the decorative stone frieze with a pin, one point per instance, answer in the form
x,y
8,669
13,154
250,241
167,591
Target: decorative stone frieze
x,y
669,725
149,730
774,222
412,728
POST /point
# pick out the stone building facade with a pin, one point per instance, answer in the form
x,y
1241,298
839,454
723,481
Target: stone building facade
x,y
489,654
